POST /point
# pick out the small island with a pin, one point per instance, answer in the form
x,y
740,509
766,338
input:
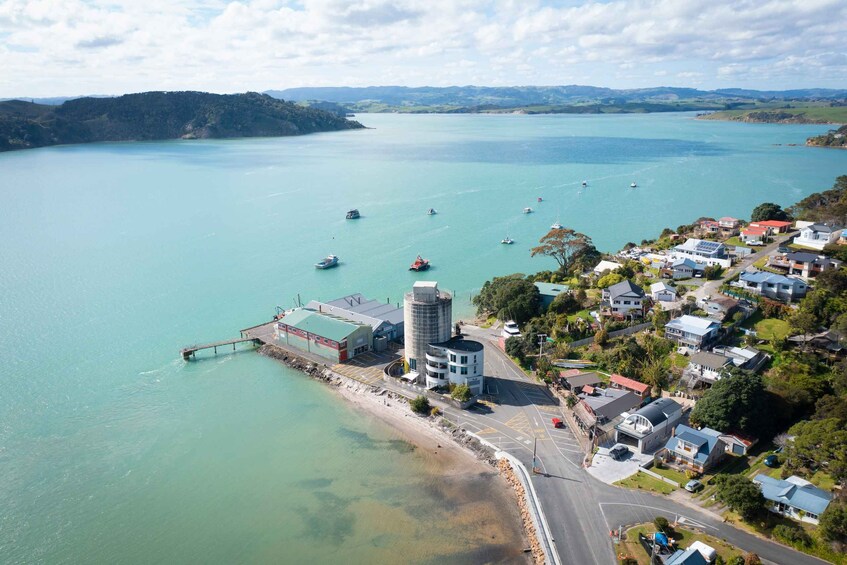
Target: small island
x,y
151,116
833,138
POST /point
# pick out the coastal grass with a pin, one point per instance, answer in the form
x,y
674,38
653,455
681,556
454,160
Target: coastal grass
x,y
643,481
683,538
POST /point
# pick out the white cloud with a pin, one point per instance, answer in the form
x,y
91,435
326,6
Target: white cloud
x,y
60,47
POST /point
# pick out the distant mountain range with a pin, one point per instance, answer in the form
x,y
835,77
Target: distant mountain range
x,y
157,116
521,96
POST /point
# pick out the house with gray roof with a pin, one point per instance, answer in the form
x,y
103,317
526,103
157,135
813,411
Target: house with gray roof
x,y
624,299
720,307
549,292
747,358
794,497
692,332
773,286
650,426
804,264
662,292
699,450
703,251
818,236
705,368
600,406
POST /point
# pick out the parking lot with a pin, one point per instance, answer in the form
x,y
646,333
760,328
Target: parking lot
x,y
367,367
606,469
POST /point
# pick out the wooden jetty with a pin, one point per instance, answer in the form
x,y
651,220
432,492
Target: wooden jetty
x,y
257,335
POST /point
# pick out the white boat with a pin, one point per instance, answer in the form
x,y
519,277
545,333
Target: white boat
x,y
329,262
585,183
527,210
431,212
557,226
507,240
632,184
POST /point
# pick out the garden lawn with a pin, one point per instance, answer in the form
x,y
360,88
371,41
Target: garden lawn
x,y
767,328
671,474
646,482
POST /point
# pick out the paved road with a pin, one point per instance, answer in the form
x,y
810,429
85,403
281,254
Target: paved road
x,y
580,509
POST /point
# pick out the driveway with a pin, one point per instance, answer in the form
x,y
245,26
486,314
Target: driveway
x,y
606,469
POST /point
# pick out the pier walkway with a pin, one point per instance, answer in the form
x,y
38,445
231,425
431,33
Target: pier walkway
x,y
188,352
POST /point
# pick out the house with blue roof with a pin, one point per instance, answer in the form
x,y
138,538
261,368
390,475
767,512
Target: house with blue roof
x,y
770,285
699,450
686,557
794,497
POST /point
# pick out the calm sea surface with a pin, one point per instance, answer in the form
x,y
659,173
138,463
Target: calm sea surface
x,y
112,256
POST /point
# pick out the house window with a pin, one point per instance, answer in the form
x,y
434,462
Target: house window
x,y
452,368
464,360
464,370
626,302
453,357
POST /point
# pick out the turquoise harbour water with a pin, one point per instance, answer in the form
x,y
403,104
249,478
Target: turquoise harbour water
x,y
113,256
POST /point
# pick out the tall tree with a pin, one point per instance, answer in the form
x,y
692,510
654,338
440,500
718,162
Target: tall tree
x,y
819,443
563,245
741,495
510,297
737,402
768,211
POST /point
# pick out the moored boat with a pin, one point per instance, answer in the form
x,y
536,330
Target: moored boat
x,y
507,240
585,183
540,199
632,184
420,264
557,226
431,212
353,214
527,210
329,262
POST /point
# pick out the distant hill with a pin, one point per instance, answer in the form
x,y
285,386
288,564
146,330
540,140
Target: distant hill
x,y
157,116
819,114
474,97
833,138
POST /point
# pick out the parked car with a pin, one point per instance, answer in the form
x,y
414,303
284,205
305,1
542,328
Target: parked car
x,y
772,460
557,423
511,329
693,485
618,452
783,249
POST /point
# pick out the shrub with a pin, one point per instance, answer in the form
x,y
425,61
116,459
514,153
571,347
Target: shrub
x,y
435,411
601,337
462,393
792,535
420,405
661,523
692,474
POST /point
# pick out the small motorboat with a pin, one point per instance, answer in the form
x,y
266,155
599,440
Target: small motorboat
x,y
557,226
507,240
632,184
585,183
527,210
328,263
431,212
420,264
540,199
353,214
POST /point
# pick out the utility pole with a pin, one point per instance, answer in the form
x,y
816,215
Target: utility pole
x,y
541,338
535,469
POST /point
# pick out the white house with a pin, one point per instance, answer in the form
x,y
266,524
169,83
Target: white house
x,y
624,299
703,251
692,332
817,236
769,285
661,292
649,427
604,265
455,361
706,367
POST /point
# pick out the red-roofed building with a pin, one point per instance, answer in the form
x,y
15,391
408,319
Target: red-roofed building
x,y
775,226
619,381
755,234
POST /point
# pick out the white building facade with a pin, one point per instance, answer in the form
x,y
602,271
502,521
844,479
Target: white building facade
x,y
456,361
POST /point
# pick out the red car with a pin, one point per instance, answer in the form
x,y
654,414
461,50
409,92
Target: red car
x,y
557,423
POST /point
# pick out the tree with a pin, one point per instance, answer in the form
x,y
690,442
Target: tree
x,y
833,522
791,535
752,559
601,337
608,280
768,211
736,402
462,393
563,245
741,495
660,318
804,322
420,405
512,297
515,349
817,444
713,272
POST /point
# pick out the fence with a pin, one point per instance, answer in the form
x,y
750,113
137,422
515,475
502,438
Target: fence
x,y
645,468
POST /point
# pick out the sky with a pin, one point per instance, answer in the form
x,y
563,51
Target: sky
x,y
74,47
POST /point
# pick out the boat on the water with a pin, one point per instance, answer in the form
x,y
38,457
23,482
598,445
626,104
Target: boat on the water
x,y
540,199
329,262
431,212
420,264
632,184
585,183
557,226
527,210
507,240
353,214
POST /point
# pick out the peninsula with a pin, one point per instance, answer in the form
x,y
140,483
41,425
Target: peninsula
x,y
152,116
832,138
819,114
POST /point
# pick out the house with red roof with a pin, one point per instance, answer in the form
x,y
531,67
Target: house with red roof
x,y
775,226
619,381
755,234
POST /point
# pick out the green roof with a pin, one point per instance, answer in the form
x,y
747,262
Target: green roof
x,y
323,325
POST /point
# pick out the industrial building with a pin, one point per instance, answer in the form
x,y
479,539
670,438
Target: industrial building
x,y
386,320
428,317
324,334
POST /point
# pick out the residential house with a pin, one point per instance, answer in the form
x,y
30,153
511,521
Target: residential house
x,y
704,367
775,226
574,380
699,450
804,264
794,497
692,332
598,406
708,227
624,299
662,292
729,223
549,292
827,340
624,383
703,251
720,307
650,426
738,444
688,556
817,236
747,358
754,235
770,285
604,266
683,269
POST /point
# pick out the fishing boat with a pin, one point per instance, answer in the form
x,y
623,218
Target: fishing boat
x,y
353,214
431,212
557,226
527,210
420,264
507,240
632,184
328,263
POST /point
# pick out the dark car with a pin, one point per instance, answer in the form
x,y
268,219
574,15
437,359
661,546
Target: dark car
x,y
618,452
783,249
772,461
